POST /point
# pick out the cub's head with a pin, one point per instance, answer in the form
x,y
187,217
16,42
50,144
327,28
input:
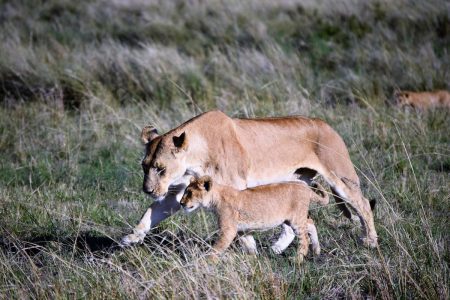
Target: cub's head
x,y
403,98
197,193
164,161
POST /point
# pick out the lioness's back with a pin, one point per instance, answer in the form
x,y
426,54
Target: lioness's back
x,y
265,135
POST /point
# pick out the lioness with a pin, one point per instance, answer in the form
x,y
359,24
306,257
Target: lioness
x,y
258,208
423,100
245,153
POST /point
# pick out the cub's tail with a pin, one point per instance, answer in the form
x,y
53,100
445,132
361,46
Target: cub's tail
x,y
320,195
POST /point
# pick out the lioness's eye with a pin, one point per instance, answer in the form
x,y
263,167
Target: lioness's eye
x,y
160,171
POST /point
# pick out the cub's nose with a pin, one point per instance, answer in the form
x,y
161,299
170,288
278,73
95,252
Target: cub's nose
x,y
182,204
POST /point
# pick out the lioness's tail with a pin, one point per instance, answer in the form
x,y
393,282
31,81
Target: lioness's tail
x,y
320,195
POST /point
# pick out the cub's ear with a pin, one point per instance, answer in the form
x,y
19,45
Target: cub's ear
x,y
180,141
207,183
148,133
193,179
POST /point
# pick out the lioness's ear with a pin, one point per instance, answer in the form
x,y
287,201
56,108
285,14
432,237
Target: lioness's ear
x,y
207,183
148,133
180,141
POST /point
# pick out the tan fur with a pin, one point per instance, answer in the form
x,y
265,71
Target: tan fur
x,y
423,100
257,208
249,152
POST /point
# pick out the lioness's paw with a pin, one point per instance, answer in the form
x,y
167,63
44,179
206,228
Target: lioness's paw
x,y
277,249
316,250
252,251
132,239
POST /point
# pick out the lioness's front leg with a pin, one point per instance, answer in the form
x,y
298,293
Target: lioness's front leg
x,y
158,211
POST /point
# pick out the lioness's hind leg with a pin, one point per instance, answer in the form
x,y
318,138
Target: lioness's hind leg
x,y
285,239
341,204
352,195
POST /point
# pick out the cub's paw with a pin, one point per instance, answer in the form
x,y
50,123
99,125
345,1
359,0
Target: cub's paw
x,y
212,258
370,242
300,258
132,239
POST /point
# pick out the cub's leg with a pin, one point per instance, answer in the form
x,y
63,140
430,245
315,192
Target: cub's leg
x,y
227,235
249,244
312,232
285,239
299,226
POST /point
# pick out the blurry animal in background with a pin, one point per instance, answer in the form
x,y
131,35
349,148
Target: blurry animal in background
x,y
259,208
423,100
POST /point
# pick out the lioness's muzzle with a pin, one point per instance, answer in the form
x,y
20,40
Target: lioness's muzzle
x,y
148,191
151,193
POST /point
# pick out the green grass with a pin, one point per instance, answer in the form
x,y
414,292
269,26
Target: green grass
x,y
79,80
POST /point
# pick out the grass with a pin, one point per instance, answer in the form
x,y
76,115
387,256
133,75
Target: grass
x,y
79,80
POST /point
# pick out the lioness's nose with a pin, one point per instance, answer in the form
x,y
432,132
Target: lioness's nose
x,y
147,190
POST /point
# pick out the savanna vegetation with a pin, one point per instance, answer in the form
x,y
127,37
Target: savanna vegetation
x,y
79,79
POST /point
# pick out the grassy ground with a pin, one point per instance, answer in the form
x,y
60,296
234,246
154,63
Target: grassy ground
x,y
78,80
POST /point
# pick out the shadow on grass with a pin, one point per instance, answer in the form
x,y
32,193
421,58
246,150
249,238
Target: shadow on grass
x,y
441,166
91,243
85,242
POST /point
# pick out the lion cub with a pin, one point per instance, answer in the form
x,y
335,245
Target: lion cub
x,y
261,207
423,100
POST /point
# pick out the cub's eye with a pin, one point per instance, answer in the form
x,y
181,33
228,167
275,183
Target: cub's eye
x,y
189,194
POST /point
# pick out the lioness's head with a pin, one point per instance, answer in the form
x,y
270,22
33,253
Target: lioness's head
x,y
402,98
164,161
197,194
